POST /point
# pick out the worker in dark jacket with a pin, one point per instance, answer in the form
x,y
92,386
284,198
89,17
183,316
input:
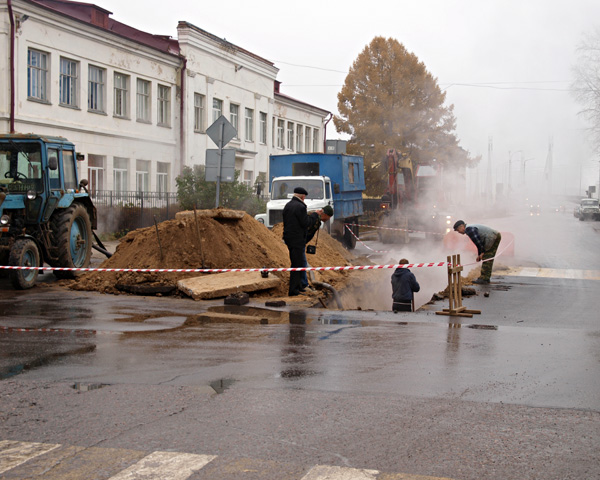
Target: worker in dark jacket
x,y
487,240
295,225
404,285
318,217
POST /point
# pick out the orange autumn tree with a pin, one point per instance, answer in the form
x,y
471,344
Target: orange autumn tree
x,y
390,100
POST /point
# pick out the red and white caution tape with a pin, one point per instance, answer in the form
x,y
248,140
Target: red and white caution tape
x,y
489,259
84,333
222,270
347,226
395,228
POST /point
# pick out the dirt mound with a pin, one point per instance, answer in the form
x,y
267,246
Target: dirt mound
x,y
207,242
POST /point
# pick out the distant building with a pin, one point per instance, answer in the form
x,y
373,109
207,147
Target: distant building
x,y
137,104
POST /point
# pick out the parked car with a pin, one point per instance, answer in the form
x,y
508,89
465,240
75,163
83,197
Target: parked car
x,y
589,208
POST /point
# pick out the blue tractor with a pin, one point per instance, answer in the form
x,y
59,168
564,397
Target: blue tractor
x,y
46,214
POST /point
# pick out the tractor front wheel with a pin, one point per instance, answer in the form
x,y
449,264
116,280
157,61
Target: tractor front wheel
x,y
24,253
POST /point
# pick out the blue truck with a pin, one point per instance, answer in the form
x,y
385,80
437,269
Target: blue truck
x,y
330,179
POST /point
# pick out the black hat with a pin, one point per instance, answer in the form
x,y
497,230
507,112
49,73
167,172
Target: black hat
x,y
300,190
327,210
458,224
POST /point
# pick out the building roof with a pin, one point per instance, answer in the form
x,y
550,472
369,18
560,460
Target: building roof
x,y
278,94
224,43
99,18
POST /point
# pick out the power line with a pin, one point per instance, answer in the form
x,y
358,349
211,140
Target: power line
x,y
489,85
458,85
310,66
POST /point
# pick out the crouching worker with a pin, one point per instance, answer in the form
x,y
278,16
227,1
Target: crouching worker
x,y
404,285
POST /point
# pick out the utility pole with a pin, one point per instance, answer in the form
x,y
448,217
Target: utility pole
x,y
548,168
488,179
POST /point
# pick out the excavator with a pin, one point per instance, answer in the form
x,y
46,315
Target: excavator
x,y
411,199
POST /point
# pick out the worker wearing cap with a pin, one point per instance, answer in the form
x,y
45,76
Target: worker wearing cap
x,y
486,240
317,218
296,222
404,286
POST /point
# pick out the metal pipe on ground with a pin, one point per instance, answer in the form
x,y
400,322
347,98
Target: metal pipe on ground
x,y
326,286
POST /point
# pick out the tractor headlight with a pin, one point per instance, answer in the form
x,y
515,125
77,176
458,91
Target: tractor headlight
x,y
4,220
31,195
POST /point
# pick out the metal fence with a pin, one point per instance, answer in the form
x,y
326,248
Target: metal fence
x,y
126,211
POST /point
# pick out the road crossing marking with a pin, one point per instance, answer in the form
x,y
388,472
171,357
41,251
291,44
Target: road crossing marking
x,y
322,472
160,465
165,465
567,273
13,454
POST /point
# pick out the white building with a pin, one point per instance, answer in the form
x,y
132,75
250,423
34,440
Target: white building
x,y
136,104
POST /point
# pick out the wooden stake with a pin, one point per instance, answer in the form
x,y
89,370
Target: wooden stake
x,y
456,308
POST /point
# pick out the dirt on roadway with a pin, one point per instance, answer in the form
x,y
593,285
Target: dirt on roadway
x,y
207,241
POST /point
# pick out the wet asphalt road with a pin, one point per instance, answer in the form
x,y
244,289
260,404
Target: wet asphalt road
x,y
511,393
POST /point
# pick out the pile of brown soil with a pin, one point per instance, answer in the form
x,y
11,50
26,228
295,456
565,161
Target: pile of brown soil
x,y
206,242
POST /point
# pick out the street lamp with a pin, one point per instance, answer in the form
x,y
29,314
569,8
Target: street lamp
x,y
510,155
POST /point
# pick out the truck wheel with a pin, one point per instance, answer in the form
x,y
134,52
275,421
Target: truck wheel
x,y
24,253
71,239
349,240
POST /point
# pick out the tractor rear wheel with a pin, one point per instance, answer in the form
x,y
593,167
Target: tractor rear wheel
x,y
24,253
71,239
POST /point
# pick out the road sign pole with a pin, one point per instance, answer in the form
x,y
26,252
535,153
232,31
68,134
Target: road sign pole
x,y
221,136
222,132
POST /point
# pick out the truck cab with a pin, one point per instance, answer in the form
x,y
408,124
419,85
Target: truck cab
x,y
282,190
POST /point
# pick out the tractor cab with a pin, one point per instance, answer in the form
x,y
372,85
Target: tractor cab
x,y
46,214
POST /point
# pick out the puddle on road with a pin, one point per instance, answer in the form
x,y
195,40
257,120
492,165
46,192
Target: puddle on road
x,y
222,384
42,361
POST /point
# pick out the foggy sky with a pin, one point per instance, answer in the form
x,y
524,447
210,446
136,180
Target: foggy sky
x,y
505,65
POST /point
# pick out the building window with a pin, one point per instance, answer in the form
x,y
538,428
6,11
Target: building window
x,y
263,128
307,142
234,114
96,89
299,138
121,95
280,133
68,82
249,125
120,180
143,100
248,177
164,106
198,112
290,136
142,176
95,173
217,110
162,177
316,148
37,75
